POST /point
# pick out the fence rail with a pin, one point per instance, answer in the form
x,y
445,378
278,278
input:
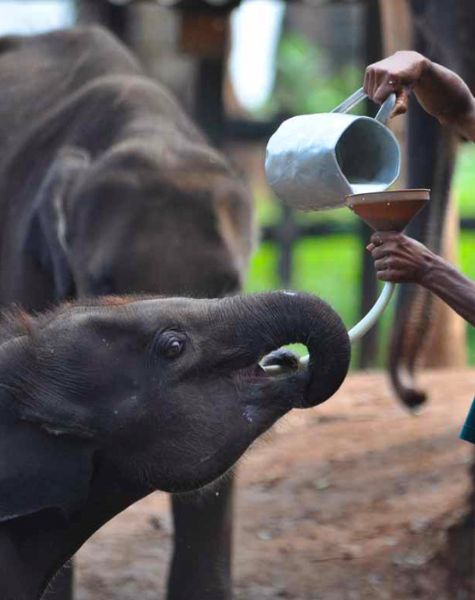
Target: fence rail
x,y
297,231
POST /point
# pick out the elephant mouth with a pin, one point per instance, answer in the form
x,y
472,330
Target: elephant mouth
x,y
254,373
278,388
271,366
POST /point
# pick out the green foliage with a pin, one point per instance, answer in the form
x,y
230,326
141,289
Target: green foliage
x,y
263,272
464,180
302,84
467,264
268,210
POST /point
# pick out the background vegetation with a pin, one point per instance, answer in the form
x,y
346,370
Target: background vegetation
x,y
330,266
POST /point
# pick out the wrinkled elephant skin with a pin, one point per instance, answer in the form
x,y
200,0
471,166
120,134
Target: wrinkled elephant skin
x,y
106,401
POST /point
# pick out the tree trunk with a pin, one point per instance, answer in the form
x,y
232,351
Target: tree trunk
x,y
397,35
446,344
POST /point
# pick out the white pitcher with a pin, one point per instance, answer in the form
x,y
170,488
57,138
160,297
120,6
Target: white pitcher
x,y
314,161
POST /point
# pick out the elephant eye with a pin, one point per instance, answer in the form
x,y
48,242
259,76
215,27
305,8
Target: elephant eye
x,y
169,344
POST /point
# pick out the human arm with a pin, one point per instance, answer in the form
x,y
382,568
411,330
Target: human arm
x,y
399,259
441,92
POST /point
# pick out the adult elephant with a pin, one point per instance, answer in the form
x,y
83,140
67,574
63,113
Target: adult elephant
x,y
445,32
106,187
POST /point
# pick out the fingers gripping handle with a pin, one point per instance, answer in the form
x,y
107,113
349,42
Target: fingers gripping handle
x,y
384,112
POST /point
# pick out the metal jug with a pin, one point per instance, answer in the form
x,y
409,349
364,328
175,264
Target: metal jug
x,y
314,161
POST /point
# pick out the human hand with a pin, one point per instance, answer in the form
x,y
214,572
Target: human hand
x,y
397,73
399,259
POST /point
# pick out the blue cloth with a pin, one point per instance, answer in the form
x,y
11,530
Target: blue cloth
x,y
468,430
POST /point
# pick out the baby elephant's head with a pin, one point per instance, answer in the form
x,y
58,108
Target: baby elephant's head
x,y
150,393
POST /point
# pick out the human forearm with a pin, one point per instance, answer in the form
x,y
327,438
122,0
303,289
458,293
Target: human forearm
x,y
451,286
440,91
444,95
400,259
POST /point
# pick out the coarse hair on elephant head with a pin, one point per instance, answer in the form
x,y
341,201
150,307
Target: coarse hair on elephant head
x,y
139,219
103,402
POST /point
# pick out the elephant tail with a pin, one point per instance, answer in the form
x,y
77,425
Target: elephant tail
x,y
412,317
432,152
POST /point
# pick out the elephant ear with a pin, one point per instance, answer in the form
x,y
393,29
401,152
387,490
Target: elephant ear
x,y
45,237
40,471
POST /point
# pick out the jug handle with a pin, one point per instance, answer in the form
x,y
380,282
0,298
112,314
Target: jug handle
x,y
386,109
382,115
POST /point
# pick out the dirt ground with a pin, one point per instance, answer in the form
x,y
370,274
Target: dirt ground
x,y
348,501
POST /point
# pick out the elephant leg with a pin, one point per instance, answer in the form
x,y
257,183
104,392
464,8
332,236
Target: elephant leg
x,y
201,564
62,585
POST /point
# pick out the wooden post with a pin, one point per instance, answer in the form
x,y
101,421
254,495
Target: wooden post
x,y
369,285
397,35
446,344
205,36
208,107
114,17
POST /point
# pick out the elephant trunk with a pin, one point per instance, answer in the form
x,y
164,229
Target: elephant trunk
x,y
258,324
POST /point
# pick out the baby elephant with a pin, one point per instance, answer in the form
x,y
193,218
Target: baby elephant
x,y
103,402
